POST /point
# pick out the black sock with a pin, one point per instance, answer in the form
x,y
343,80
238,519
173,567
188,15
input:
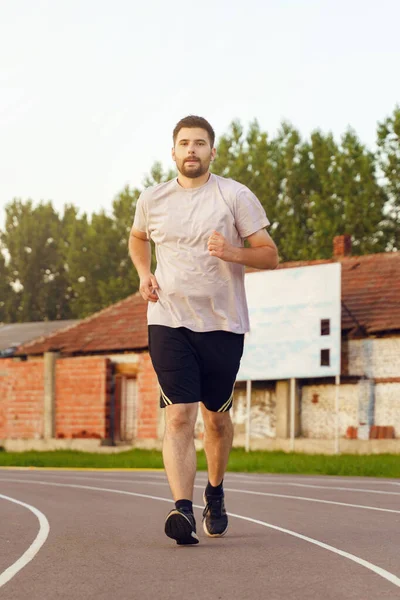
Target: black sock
x,y
214,491
185,504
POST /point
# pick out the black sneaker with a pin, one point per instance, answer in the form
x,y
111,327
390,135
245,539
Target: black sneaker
x,y
180,525
215,519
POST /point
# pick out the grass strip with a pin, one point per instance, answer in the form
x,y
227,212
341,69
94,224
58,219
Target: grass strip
x,y
366,465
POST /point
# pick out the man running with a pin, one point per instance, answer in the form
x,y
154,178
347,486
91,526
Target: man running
x,y
197,312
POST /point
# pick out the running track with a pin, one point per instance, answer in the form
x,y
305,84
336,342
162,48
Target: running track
x,y
99,534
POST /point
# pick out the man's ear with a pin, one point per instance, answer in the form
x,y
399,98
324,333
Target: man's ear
x,y
213,153
173,154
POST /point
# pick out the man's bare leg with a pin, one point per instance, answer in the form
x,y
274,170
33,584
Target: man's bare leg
x,y
218,438
179,450
180,465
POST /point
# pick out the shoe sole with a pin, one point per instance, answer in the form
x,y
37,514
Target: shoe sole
x,y
179,528
205,525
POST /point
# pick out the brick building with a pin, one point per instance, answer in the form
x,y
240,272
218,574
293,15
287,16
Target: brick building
x,y
93,383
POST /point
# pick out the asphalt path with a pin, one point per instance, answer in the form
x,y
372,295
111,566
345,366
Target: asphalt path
x,y
100,534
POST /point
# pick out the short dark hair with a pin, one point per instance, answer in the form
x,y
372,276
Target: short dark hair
x,y
193,121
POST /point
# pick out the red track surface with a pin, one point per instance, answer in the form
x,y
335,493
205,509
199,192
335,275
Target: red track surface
x,y
283,542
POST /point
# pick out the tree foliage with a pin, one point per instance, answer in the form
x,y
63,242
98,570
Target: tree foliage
x,y
6,292
389,162
57,266
311,190
32,238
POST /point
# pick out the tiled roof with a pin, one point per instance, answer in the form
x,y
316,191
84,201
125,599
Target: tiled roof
x,y
370,296
13,335
121,326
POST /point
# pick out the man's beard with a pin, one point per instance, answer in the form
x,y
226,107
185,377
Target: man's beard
x,y
193,171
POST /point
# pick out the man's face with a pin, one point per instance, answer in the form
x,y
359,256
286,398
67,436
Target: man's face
x,y
192,152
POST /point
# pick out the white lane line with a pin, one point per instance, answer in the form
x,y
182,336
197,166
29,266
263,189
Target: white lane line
x,y
237,479
391,577
388,510
82,475
321,487
33,549
257,479
327,478
227,489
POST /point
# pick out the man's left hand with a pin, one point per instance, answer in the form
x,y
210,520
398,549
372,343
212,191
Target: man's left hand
x,y
219,247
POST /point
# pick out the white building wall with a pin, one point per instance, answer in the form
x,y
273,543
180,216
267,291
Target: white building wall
x,y
263,416
387,405
318,418
375,357
369,359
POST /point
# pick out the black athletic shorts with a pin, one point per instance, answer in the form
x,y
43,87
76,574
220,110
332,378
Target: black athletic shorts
x,y
195,366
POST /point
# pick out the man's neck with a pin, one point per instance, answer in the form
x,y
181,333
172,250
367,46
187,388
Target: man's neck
x,y
190,182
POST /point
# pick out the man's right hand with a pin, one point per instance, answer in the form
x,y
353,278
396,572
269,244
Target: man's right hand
x,y
148,287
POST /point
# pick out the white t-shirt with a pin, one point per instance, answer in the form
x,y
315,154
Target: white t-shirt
x,y
196,290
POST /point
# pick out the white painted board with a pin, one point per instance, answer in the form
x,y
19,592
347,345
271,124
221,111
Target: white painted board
x,y
286,307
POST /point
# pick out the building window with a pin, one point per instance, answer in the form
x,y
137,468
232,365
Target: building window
x,y
325,358
325,326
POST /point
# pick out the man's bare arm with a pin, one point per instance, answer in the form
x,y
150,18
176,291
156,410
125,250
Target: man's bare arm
x,y
140,253
263,253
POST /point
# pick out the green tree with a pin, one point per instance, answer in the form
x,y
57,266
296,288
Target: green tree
x,y
277,170
99,267
249,158
91,261
125,280
388,142
73,247
158,175
294,184
311,190
36,265
346,196
363,199
6,292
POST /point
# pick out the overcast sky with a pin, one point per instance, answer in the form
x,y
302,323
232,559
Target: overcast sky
x,y
90,90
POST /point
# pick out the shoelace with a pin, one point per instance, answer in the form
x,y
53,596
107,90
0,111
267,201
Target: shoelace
x,y
214,505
